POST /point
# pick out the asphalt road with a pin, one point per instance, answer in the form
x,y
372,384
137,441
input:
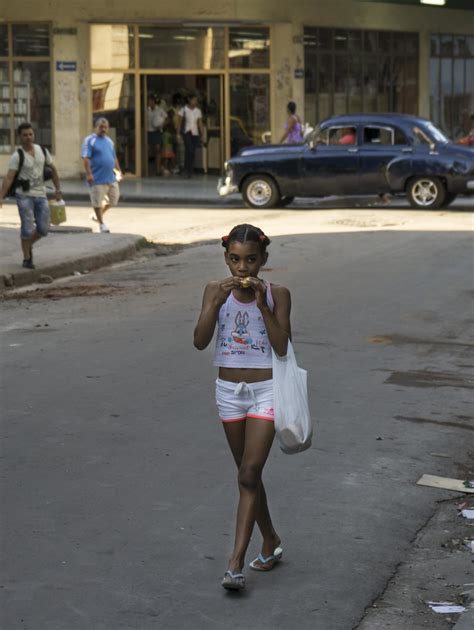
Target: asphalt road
x,y
118,491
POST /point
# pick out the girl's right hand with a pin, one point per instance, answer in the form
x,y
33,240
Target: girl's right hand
x,y
224,287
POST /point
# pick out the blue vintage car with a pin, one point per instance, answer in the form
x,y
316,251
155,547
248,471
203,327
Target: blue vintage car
x,y
359,154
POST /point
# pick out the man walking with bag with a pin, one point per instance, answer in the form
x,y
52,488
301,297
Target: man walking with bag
x,y
102,171
28,168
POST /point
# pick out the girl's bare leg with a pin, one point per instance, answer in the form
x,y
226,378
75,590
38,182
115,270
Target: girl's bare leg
x,y
250,443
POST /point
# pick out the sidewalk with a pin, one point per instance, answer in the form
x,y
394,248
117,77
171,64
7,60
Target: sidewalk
x,y
174,189
61,254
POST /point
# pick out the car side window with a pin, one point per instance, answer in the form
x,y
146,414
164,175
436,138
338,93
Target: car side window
x,y
342,135
400,137
379,135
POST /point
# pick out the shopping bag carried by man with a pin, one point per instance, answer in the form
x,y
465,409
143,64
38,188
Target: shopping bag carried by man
x,y
293,424
57,212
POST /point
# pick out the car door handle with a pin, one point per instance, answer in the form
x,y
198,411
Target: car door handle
x,y
407,150
353,150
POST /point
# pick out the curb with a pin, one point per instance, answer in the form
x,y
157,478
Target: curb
x,y
138,199
59,270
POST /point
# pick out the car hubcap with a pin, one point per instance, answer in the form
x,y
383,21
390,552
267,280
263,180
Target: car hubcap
x,y
425,192
259,192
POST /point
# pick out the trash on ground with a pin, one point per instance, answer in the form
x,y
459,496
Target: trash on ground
x,y
446,607
469,483
469,514
446,483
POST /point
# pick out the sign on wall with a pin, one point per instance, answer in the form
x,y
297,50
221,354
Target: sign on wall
x,y
66,66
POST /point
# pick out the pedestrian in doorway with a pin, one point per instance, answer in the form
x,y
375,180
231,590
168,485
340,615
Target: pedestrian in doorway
x,y
293,126
167,153
103,171
468,140
156,117
252,317
26,173
192,132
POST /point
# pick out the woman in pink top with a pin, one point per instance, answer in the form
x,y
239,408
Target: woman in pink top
x,y
293,127
252,317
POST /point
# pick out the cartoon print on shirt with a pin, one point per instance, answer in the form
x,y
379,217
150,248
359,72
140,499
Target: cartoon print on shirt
x,y
240,333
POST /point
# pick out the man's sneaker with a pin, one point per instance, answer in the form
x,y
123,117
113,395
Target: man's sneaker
x,y
92,216
104,228
28,263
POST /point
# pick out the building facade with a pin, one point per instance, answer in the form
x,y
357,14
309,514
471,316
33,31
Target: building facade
x,y
245,60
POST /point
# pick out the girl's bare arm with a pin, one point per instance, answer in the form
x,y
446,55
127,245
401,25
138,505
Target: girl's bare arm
x,y
277,322
215,294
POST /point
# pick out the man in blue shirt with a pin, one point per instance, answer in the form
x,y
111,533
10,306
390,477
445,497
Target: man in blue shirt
x,y
102,171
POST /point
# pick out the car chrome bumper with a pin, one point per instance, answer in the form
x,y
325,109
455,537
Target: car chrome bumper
x,y
470,184
225,186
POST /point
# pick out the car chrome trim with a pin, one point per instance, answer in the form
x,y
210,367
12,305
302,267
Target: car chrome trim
x,y
225,186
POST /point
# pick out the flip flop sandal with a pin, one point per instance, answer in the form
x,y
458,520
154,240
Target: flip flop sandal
x,y
233,581
256,564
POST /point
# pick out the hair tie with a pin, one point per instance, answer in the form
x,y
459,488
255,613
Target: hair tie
x,y
225,238
263,237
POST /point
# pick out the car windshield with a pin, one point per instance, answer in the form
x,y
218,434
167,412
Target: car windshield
x,y
317,137
429,133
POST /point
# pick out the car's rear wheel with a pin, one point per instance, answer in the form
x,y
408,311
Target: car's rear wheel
x,y
426,193
285,201
260,191
450,197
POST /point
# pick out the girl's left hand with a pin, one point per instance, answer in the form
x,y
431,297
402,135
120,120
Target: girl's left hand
x,y
260,290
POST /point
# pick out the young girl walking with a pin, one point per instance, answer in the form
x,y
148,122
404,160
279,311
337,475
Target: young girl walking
x,y
252,317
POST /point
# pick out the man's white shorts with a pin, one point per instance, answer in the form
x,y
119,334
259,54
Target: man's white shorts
x,y
104,194
238,401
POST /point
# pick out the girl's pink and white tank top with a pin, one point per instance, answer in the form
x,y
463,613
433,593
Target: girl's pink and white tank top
x,y
242,340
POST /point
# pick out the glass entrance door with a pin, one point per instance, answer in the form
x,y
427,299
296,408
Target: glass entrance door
x,y
113,96
171,92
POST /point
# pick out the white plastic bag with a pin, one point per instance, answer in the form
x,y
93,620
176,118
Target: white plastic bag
x,y
293,424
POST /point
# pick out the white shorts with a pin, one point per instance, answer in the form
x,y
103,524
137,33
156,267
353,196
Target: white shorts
x,y
238,401
104,193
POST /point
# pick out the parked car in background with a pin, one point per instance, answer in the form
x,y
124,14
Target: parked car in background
x,y
362,154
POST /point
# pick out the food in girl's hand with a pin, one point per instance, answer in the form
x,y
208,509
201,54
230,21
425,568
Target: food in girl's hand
x,y
245,282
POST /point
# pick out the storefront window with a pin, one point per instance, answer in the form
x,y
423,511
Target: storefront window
x,y
25,90
452,82
32,98
350,70
4,108
249,109
113,96
249,47
181,48
3,40
112,46
31,41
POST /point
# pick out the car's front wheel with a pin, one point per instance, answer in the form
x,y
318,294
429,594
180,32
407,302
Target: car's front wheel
x,y
260,191
426,193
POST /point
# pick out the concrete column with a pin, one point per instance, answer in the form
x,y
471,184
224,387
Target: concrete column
x,y
65,105
281,76
287,73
